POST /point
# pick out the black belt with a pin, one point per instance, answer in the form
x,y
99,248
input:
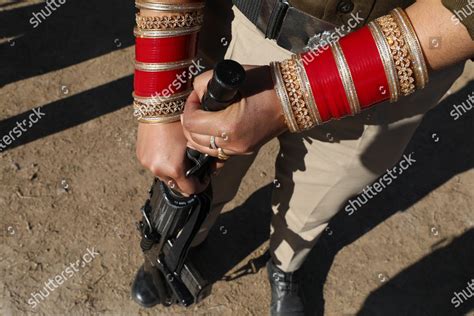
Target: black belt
x,y
292,28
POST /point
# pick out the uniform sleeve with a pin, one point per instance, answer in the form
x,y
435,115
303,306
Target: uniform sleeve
x,y
463,13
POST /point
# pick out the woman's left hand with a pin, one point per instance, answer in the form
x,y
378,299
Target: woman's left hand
x,y
241,128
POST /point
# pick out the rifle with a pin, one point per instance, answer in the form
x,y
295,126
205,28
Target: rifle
x,y
170,221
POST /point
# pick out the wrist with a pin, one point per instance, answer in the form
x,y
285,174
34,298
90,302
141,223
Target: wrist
x,y
276,109
279,117
170,125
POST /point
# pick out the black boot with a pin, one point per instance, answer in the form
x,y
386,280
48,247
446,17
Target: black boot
x,y
286,296
144,290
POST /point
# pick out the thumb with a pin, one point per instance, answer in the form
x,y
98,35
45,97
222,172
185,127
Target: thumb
x,y
193,102
200,83
192,105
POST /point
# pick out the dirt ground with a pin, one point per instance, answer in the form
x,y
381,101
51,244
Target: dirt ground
x,y
71,185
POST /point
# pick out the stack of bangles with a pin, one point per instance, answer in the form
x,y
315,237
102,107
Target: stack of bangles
x,y
378,62
166,43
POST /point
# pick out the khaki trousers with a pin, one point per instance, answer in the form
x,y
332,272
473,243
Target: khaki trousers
x,y
319,170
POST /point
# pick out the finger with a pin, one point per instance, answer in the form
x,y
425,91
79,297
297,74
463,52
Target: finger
x,y
201,122
193,105
217,166
206,149
202,149
191,185
186,133
205,140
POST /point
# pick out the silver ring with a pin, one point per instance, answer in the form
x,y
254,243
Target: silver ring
x,y
213,144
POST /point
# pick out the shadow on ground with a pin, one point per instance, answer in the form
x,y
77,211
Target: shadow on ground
x,y
427,287
73,33
236,235
72,111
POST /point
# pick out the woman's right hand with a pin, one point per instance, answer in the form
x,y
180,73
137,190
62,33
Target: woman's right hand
x,y
161,148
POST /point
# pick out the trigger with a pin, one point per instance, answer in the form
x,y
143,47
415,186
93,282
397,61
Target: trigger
x,y
198,162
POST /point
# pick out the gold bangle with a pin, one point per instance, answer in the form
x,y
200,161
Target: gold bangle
x,y
165,33
346,77
387,61
160,108
221,154
158,99
169,7
162,66
308,92
414,47
159,120
295,91
283,97
175,21
400,54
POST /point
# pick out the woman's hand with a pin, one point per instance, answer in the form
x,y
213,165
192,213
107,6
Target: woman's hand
x,y
241,128
161,148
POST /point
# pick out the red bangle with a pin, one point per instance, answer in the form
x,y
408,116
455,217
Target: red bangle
x,y
326,85
166,49
162,83
376,63
366,67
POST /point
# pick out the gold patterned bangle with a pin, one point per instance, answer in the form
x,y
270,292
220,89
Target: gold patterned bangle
x,y
170,22
346,77
307,91
414,47
163,109
400,54
295,91
169,7
283,97
159,109
387,61
162,66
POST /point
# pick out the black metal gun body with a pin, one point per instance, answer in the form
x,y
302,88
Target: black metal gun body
x,y
171,221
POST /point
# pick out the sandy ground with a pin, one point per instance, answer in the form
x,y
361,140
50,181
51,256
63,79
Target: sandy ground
x,y
71,183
